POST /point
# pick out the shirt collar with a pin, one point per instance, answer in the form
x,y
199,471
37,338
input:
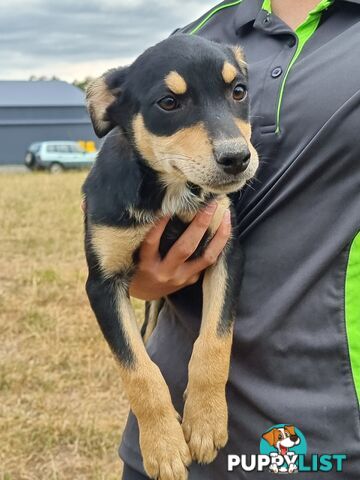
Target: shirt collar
x,y
248,10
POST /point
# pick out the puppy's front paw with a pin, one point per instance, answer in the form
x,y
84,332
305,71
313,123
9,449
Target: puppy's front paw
x,y
165,452
292,468
274,468
205,423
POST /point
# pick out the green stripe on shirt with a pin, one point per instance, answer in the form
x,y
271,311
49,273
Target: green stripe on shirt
x,y
213,12
303,32
352,310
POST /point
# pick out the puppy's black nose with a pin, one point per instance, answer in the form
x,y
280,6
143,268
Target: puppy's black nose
x,y
293,438
234,163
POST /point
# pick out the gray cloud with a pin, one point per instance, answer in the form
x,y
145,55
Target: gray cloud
x,y
40,35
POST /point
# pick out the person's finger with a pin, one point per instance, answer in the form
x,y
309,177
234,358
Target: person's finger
x,y
150,244
213,250
193,279
187,243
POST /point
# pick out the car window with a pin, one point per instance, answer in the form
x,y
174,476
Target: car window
x,y
35,147
75,148
58,148
63,148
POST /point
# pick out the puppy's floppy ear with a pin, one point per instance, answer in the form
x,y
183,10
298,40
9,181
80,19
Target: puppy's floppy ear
x,y
240,58
290,429
100,94
270,437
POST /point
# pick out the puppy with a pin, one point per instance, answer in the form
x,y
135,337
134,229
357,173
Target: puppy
x,y
180,139
283,439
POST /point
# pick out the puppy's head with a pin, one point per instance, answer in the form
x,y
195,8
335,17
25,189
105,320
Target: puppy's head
x,y
184,105
282,438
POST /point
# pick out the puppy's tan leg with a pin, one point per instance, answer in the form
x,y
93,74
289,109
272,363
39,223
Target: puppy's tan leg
x,y
205,413
165,452
109,253
163,447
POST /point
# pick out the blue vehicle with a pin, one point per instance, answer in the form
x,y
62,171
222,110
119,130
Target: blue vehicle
x,y
57,156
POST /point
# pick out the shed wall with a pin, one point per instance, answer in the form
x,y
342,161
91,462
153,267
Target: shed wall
x,y
15,139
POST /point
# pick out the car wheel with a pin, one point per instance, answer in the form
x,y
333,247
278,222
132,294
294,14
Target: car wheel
x,y
30,160
56,168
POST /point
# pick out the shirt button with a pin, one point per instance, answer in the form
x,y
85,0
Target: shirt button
x,y
276,72
292,42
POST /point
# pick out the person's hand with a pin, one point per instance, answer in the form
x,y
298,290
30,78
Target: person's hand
x,y
156,277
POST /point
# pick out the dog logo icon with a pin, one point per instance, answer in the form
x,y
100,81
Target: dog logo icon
x,y
283,451
283,443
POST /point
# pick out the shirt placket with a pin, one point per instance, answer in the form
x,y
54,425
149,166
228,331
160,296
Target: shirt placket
x,y
277,67
293,45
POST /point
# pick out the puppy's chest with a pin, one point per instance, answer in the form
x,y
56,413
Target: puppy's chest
x,y
117,248
180,222
174,229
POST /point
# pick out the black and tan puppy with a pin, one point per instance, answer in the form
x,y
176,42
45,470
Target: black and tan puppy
x,y
180,138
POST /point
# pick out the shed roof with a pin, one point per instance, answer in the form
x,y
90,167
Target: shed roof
x,y
40,93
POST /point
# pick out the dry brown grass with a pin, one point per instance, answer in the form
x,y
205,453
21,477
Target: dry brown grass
x,y
61,405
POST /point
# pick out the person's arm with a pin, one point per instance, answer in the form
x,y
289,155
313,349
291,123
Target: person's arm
x,y
156,277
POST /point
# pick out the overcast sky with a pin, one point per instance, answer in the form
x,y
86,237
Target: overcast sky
x,y
76,38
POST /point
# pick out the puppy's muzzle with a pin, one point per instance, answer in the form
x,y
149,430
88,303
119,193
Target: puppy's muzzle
x,y
233,163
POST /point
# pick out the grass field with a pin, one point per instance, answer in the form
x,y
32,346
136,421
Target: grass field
x,y
62,409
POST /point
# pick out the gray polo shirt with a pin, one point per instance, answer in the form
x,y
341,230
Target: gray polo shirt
x,y
296,352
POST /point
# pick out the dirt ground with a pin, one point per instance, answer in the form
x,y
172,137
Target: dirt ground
x,y
62,409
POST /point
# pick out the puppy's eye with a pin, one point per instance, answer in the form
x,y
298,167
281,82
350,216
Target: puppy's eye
x,y
168,103
239,93
280,436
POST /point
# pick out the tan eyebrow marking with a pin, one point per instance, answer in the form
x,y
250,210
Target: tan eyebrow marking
x,y
228,72
176,83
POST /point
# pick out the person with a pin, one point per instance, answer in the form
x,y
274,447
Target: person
x,y
296,351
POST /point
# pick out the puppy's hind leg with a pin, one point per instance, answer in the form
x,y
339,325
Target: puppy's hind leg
x,y
152,310
165,452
